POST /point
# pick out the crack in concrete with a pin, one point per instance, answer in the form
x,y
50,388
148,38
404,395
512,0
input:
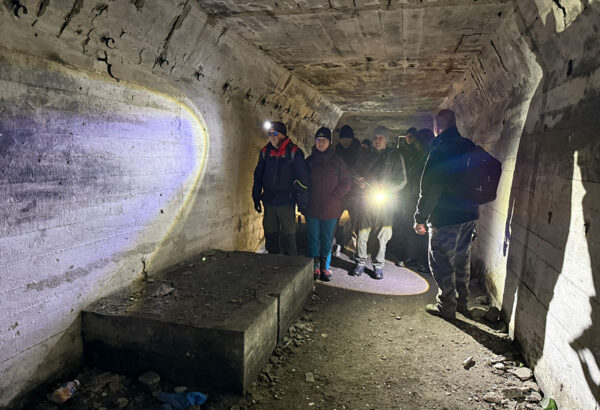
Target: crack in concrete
x,y
563,9
85,42
99,9
74,11
223,31
42,5
177,23
462,37
499,56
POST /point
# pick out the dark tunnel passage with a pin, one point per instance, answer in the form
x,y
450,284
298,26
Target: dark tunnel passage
x,y
129,133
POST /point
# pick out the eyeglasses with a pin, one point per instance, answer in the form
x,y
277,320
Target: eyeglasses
x,y
272,133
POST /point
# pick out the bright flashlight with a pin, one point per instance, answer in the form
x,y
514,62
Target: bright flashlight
x,y
379,196
267,125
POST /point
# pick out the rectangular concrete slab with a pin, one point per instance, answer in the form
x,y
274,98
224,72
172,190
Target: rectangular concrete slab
x,y
211,322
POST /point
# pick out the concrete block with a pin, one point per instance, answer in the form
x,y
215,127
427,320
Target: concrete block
x,y
211,322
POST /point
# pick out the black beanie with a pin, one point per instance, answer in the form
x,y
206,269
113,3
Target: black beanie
x,y
346,132
323,132
279,127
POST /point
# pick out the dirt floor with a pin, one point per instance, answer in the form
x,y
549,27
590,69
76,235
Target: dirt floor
x,y
357,350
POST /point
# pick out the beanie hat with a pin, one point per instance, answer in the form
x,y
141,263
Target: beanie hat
x,y
411,131
346,132
323,132
279,127
367,142
381,130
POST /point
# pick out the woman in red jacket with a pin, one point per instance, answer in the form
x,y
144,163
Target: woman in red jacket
x,y
329,182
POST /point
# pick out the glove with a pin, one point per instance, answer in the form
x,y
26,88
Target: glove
x,y
302,200
257,206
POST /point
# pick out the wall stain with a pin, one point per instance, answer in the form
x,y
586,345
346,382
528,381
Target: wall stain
x,y
69,276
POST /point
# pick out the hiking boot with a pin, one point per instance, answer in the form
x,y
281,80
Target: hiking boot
x,y
378,273
358,270
434,309
326,275
316,273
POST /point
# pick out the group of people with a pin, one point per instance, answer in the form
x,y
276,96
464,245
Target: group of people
x,y
381,186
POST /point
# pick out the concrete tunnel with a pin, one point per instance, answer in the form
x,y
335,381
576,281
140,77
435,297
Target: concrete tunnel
x,y
129,131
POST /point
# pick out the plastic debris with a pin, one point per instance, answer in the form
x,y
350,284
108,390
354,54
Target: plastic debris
x,y
64,392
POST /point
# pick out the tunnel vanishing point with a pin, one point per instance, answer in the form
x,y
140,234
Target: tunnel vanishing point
x,y
129,130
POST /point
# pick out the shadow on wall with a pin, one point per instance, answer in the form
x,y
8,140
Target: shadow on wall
x,y
553,272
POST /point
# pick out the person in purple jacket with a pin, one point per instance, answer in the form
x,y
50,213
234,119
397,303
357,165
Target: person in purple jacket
x,y
329,181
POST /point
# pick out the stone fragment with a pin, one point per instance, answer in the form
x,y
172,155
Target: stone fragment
x,y
499,366
493,397
512,392
468,362
180,389
478,312
310,377
122,402
534,397
523,373
531,385
163,290
150,379
498,359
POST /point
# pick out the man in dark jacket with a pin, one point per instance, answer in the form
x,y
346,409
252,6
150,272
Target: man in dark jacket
x,y
348,149
383,176
280,177
450,222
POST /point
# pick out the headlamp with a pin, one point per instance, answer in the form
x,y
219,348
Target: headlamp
x,y
267,125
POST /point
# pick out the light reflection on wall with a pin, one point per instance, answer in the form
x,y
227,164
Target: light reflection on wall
x,y
94,176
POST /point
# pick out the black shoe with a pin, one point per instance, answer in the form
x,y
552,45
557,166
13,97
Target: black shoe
x,y
358,270
378,273
434,309
325,275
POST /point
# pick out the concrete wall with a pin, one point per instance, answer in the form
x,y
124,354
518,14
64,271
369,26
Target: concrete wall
x,y
532,98
128,136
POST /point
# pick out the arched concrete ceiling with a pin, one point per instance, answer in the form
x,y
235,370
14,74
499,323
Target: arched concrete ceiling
x,y
384,61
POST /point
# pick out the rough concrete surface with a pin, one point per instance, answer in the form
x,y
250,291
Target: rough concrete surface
x,y
128,138
531,98
129,130
212,321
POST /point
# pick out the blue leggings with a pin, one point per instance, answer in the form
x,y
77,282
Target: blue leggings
x,y
320,232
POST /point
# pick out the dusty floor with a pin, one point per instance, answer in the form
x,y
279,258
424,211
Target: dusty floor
x,y
355,350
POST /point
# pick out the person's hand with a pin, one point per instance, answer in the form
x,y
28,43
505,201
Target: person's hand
x,y
420,229
257,206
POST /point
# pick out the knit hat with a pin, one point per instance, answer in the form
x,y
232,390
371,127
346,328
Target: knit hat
x,y
279,127
346,132
323,132
381,130
411,131
367,142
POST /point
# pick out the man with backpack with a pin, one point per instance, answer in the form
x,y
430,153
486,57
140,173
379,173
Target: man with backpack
x,y
280,181
448,207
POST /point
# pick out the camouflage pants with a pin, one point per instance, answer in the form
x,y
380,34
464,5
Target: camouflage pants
x,y
450,263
